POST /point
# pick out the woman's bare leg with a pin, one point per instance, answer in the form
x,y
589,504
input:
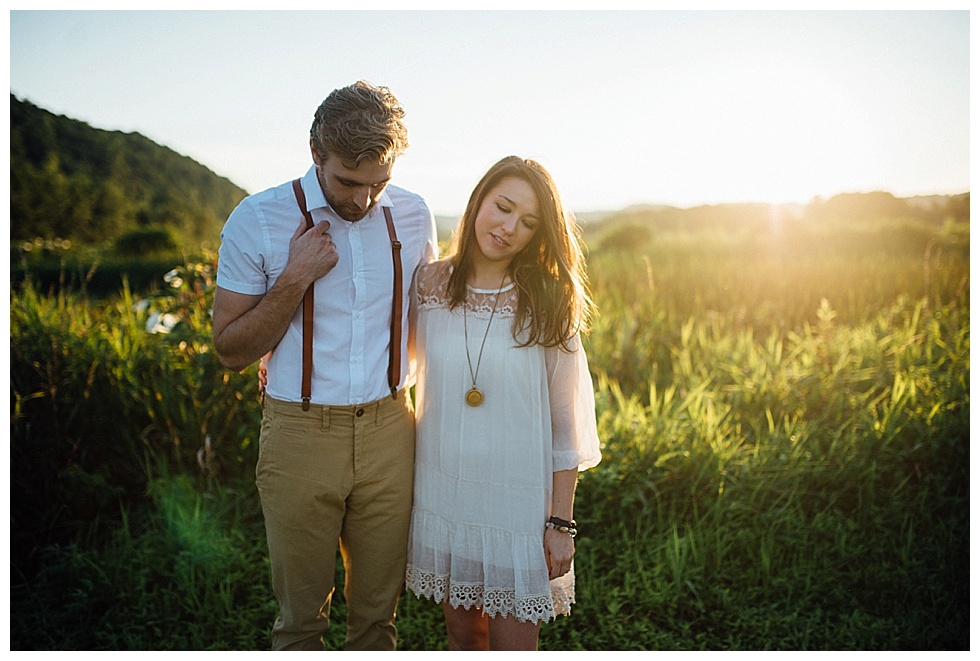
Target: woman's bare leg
x,y
509,633
466,629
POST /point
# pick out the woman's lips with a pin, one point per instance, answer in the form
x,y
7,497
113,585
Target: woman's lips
x,y
500,242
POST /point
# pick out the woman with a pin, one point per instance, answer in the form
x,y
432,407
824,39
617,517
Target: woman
x,y
505,414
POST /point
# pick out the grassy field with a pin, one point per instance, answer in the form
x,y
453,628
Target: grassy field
x,y
785,464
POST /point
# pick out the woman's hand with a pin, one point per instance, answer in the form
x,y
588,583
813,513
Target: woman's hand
x,y
559,549
263,374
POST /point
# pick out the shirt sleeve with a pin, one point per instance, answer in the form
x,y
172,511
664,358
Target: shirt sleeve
x,y
432,239
242,265
575,438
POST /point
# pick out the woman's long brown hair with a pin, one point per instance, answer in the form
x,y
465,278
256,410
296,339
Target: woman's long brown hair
x,y
553,298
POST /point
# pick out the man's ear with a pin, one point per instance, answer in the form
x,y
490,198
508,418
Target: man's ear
x,y
314,153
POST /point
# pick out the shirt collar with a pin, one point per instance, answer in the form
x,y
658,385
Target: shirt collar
x,y
315,198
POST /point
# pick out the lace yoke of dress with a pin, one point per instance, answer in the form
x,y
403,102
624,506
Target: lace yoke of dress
x,y
432,293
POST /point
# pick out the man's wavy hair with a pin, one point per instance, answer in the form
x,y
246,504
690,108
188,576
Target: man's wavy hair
x,y
553,297
360,121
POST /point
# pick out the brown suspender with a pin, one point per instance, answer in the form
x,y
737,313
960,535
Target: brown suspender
x,y
307,308
394,351
395,346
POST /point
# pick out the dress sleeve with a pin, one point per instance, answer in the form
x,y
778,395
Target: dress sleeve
x,y
575,439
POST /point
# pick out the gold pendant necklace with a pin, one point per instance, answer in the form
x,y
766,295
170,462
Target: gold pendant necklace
x,y
474,396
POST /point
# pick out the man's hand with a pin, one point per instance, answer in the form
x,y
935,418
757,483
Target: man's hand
x,y
312,251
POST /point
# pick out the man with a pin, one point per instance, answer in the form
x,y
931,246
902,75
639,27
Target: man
x,y
336,455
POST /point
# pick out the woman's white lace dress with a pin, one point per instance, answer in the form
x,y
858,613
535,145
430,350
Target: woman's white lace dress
x,y
483,475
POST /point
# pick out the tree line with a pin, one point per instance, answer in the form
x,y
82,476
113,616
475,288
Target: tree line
x,y
71,181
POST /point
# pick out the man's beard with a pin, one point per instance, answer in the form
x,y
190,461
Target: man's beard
x,y
347,214
344,212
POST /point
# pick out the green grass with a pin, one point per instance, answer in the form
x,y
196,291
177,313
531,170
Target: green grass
x,y
785,461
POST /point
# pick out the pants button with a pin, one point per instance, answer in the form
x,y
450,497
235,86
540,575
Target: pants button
x,y
359,413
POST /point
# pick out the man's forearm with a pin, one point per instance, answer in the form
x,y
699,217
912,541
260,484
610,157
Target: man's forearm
x,y
253,333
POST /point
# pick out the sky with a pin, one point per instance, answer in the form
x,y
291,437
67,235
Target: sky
x,y
623,107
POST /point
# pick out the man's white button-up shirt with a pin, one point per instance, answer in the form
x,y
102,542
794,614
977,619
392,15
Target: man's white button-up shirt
x,y
352,303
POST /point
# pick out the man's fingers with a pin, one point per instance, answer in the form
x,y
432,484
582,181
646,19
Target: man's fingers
x,y
300,230
319,228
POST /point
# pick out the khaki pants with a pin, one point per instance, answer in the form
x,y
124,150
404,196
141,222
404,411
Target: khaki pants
x,y
337,473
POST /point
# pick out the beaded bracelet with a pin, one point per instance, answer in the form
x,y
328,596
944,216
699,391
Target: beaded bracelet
x,y
561,525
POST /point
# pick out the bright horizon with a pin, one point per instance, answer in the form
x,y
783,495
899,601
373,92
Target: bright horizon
x,y
624,108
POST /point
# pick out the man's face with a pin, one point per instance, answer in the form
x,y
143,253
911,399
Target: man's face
x,y
352,192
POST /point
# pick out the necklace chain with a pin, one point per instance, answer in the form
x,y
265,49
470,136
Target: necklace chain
x,y
466,336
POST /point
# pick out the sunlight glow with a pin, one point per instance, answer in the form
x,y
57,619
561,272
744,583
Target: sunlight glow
x,y
631,107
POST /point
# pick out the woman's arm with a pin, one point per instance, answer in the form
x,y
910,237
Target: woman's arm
x,y
575,443
559,547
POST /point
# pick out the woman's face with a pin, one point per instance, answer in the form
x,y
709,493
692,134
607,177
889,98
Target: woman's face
x,y
507,220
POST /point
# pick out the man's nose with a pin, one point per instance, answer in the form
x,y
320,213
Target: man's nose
x,y
362,197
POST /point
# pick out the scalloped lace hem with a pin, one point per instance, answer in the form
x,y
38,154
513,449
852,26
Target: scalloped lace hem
x,y
493,601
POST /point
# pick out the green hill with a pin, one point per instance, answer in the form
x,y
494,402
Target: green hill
x,y
71,181
850,221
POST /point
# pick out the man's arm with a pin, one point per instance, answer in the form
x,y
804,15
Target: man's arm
x,y
246,327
